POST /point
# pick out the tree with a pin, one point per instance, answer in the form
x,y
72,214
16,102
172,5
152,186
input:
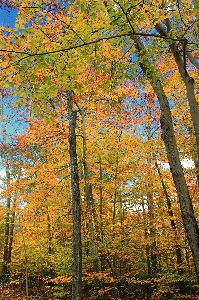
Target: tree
x,y
70,48
9,219
76,206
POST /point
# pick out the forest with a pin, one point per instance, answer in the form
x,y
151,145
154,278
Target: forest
x,y
100,187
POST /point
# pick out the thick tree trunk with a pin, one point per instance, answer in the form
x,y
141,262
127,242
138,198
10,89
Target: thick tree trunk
x,y
189,83
76,205
186,206
187,212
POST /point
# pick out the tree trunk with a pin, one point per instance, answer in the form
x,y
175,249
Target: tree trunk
x,y
189,83
187,212
88,194
7,246
11,236
150,203
146,237
76,205
25,256
186,206
50,250
101,198
173,226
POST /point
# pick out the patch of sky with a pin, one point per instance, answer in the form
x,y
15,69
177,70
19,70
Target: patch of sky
x,y
186,163
8,17
13,121
14,117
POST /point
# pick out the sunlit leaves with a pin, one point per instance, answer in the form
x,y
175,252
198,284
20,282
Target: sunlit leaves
x,y
56,47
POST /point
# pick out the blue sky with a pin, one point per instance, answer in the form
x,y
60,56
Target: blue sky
x,y
7,17
14,124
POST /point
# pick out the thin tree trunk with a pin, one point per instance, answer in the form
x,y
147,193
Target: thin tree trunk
x,y
101,195
150,202
102,256
26,258
146,238
173,225
116,187
76,204
153,246
6,254
89,199
11,236
50,250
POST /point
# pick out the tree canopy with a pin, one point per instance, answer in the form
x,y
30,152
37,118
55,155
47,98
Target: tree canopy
x,y
109,92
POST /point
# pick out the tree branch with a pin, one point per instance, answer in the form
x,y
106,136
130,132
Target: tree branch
x,y
193,60
94,42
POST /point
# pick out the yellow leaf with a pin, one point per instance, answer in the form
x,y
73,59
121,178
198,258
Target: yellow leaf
x,y
4,64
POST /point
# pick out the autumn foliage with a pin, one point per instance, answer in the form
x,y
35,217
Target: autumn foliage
x,y
114,57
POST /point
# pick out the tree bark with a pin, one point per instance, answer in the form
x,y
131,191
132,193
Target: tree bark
x,y
173,226
89,199
76,205
186,206
189,83
7,238
150,203
168,136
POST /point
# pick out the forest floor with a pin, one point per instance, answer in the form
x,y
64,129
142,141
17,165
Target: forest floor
x,y
7,293
11,293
